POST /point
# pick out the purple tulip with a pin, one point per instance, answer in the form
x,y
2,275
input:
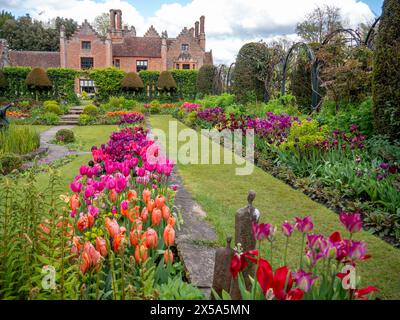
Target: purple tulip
x,y
352,221
304,225
261,231
304,280
287,229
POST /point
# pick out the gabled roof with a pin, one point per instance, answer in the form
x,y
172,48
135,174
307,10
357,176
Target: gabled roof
x,y
43,59
138,47
152,32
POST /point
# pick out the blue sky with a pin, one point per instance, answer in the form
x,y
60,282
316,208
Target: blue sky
x,y
375,5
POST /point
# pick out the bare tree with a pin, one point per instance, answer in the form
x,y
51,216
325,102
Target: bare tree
x,y
320,23
102,23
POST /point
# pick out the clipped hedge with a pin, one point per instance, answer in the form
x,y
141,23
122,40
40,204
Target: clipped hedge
x,y
108,82
37,78
132,82
205,79
166,82
3,81
63,84
186,83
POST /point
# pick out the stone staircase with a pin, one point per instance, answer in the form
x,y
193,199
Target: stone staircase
x,y
72,118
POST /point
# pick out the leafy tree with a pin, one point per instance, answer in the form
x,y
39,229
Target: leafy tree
x,y
102,23
319,23
4,16
70,26
205,79
386,84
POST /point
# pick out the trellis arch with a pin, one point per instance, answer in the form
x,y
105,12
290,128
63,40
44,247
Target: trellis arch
x,y
229,77
314,71
354,35
371,34
219,80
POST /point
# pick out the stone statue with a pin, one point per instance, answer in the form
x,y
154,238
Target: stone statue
x,y
222,277
3,115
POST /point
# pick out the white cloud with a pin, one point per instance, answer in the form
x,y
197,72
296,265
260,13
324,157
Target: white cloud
x,y
229,23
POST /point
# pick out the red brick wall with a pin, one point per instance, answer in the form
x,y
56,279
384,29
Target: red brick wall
x,y
128,64
75,52
195,51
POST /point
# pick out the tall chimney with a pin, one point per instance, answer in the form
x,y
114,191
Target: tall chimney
x,y
112,19
119,19
202,18
63,48
196,29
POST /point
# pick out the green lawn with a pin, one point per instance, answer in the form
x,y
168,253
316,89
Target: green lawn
x,y
220,192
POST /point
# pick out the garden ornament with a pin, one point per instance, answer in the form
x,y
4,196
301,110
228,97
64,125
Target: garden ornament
x,y
3,115
222,276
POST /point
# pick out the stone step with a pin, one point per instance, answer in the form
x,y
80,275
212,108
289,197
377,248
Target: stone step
x,y
68,122
75,111
70,116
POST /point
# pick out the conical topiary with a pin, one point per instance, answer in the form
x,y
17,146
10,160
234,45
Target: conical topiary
x,y
386,74
38,79
205,79
166,82
3,80
132,82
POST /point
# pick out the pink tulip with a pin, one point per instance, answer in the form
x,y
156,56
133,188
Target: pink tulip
x,y
304,280
287,229
304,225
352,221
261,231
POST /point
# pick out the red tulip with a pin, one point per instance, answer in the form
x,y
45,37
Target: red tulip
x,y
151,205
113,195
361,293
168,256
112,227
101,246
141,253
151,238
119,242
156,217
136,233
144,215
160,201
146,195
85,221
169,235
132,196
165,213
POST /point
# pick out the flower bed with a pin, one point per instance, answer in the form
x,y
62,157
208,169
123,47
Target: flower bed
x,y
124,229
340,169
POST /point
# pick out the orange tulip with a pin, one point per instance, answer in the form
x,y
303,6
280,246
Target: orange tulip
x,y
76,246
135,233
119,242
141,253
74,202
169,235
101,246
171,221
151,205
151,238
160,201
112,227
156,217
132,196
86,221
165,212
146,195
85,264
113,195
168,256
145,214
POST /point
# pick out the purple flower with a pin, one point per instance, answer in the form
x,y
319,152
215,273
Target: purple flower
x,y
384,166
304,280
287,229
304,225
94,211
261,231
352,221
76,186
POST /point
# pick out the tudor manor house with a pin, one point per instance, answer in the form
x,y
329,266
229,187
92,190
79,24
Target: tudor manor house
x,y
122,48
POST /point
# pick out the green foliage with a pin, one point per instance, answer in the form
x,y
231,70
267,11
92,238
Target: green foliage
x,y
304,136
205,79
224,100
50,118
18,139
300,83
3,81
91,110
38,78
166,83
64,84
249,73
52,106
360,114
65,136
386,74
9,162
176,289
108,82
284,104
132,81
185,83
85,119
155,106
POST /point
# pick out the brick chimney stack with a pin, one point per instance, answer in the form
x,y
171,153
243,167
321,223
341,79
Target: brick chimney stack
x,y
63,51
119,19
196,30
202,36
112,19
